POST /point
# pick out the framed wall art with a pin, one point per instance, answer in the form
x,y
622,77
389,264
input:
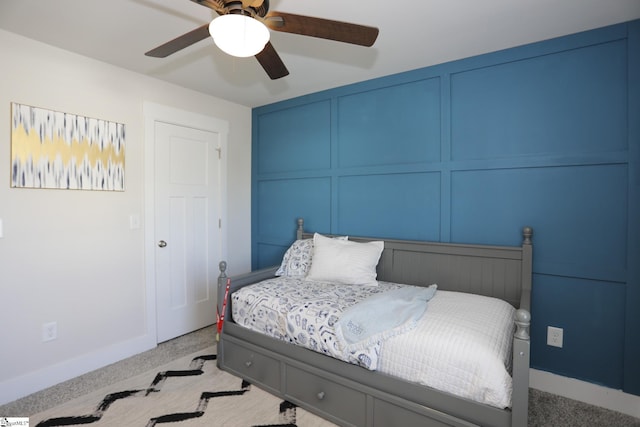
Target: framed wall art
x,y
50,149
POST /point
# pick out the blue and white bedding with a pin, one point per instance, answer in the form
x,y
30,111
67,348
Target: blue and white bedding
x,y
305,313
461,343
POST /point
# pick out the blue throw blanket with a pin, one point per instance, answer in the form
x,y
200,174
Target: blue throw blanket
x,y
382,316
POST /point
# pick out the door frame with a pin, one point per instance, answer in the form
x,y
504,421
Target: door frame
x,y
161,113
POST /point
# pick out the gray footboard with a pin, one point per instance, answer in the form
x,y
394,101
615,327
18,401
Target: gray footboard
x,y
349,395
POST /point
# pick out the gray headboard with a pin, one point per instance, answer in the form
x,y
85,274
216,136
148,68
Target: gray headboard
x,y
498,271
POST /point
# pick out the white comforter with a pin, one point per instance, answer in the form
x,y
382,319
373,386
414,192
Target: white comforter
x,y
461,345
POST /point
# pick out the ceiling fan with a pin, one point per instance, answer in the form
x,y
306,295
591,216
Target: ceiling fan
x,y
254,12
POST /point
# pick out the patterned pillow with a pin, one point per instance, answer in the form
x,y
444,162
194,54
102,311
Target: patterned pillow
x,y
297,260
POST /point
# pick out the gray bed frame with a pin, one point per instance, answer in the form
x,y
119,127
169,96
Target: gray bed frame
x,y
349,395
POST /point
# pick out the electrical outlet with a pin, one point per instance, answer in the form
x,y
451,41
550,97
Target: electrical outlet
x,y
49,331
554,336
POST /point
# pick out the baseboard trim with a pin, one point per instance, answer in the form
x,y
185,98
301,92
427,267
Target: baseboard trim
x,y
32,382
593,394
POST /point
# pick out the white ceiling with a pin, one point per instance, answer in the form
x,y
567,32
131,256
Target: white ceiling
x,y
413,34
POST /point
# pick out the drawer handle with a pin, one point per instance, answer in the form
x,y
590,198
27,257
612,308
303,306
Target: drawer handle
x,y
320,395
248,363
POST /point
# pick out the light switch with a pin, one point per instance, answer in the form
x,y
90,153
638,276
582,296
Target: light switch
x,y
134,221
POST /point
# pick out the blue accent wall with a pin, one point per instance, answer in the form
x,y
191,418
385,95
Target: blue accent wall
x,y
545,135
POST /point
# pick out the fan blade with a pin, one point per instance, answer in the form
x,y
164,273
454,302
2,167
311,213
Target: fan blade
x,y
322,28
217,5
180,43
271,62
251,3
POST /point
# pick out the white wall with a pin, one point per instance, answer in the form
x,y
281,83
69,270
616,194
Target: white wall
x,y
69,256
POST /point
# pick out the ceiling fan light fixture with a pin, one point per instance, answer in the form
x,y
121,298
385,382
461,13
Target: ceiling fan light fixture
x,y
239,35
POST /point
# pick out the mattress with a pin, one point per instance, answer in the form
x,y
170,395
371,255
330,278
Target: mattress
x,y
461,345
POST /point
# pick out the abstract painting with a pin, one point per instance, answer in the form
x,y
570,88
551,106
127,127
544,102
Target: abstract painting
x,y
50,149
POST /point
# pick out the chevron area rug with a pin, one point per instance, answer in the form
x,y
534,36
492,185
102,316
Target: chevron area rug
x,y
188,392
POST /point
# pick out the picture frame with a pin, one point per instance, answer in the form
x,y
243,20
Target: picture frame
x,y
52,149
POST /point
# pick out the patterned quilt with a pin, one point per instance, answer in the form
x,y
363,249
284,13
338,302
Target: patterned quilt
x,y
305,313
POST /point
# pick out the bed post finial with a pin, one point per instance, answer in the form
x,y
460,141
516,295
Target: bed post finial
x,y
300,229
527,232
523,321
222,278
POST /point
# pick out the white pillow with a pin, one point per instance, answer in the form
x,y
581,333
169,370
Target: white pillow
x,y
344,261
297,260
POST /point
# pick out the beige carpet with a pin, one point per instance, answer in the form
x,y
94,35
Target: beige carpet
x,y
188,392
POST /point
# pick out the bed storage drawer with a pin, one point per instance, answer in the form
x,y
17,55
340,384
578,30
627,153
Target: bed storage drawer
x,y
387,414
254,366
334,400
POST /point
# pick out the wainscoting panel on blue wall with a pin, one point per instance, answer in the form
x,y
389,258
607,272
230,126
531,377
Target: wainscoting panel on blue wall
x,y
411,132
280,203
566,103
592,316
544,135
579,214
295,139
368,206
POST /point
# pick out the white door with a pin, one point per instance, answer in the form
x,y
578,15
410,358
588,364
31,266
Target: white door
x,y
187,228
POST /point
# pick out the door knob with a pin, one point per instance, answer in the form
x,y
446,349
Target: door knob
x,y
162,243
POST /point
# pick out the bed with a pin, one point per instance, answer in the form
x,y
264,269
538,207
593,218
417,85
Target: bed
x,y
352,394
